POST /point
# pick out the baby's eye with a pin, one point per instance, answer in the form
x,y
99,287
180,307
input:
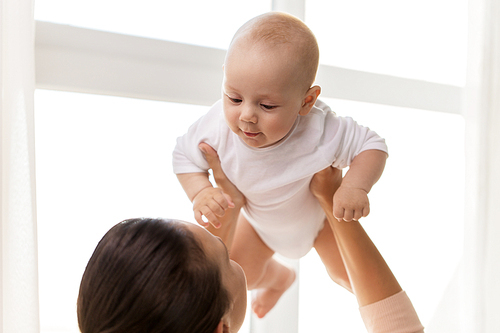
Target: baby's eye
x,y
268,107
234,100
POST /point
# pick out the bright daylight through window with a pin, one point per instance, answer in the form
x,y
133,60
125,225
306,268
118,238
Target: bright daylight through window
x,y
102,159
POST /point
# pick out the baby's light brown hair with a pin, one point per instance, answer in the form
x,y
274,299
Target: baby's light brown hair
x,y
276,28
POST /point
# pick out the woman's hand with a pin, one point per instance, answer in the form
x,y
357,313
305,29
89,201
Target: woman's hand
x,y
220,177
229,219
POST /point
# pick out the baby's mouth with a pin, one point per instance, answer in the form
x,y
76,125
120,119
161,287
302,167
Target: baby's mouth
x,y
250,135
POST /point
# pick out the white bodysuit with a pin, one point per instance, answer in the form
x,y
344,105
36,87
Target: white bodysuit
x,y
275,180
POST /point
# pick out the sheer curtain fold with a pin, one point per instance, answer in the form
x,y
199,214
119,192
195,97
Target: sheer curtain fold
x,y
482,211
19,311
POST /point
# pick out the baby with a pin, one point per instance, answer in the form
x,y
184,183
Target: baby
x,y
272,135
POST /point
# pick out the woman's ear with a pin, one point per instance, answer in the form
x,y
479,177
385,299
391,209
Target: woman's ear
x,y
220,328
309,100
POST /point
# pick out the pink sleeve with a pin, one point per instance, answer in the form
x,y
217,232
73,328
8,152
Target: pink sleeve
x,y
394,314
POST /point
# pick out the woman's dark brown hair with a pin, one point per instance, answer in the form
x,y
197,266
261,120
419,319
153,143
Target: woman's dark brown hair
x,y
150,275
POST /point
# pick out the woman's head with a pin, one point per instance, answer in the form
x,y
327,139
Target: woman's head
x,y
154,275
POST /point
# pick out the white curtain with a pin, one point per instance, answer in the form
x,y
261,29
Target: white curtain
x,y
481,279
18,247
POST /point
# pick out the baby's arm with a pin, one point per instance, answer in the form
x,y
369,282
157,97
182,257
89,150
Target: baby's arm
x,y
350,202
207,201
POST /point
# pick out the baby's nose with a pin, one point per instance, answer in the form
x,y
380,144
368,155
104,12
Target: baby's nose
x,y
248,114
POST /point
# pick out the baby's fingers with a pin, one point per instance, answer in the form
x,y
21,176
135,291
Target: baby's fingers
x,y
348,215
230,202
338,213
357,214
209,216
224,201
198,216
366,211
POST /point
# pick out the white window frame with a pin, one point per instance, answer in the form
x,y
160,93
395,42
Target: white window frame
x,y
88,61
82,60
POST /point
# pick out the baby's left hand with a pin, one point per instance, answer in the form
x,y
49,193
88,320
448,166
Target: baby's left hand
x,y
350,204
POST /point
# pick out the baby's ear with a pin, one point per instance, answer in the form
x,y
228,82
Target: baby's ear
x,y
309,100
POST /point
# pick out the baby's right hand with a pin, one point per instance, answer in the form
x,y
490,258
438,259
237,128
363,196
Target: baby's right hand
x,y
211,202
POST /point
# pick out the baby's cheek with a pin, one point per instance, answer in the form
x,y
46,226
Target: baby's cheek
x,y
278,126
231,118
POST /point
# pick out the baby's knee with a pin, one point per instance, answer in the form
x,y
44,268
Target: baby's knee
x,y
251,265
268,274
255,275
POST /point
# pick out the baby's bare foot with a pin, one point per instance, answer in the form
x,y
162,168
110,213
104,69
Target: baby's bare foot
x,y
266,298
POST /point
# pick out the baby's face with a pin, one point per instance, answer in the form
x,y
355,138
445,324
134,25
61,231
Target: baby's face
x,y
261,95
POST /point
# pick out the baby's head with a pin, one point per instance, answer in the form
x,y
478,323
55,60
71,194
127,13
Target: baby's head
x,y
269,71
282,36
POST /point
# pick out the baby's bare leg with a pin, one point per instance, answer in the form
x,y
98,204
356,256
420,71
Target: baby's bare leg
x,y
269,277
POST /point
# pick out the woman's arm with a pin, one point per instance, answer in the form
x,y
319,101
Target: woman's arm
x,y
383,305
228,220
371,278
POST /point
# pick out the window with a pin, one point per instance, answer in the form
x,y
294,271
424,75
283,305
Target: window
x,y
423,40
206,23
92,150
99,160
